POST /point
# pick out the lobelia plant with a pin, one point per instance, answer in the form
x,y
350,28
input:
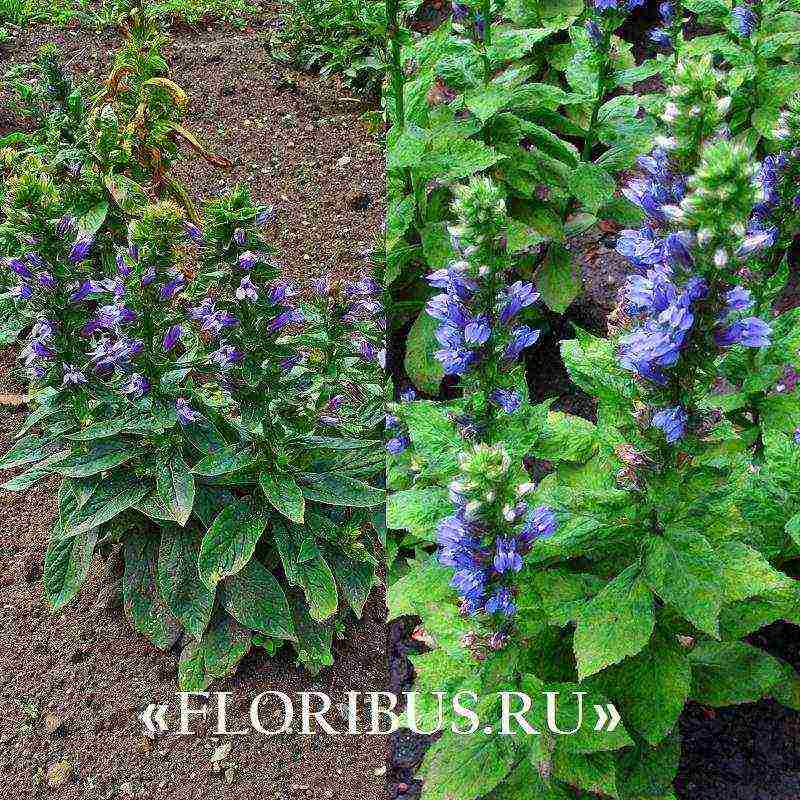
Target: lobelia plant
x,y
522,94
185,414
674,516
108,156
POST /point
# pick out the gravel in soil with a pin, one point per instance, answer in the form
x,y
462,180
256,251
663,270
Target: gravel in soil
x,y
72,685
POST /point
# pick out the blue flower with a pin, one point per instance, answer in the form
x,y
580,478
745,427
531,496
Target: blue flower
x,y
73,376
194,233
540,525
80,250
660,37
288,317
478,331
521,337
460,11
186,414
516,297
136,386
594,32
226,356
247,260
21,292
757,239
247,290
738,298
398,444
469,583
506,557
18,266
172,337
508,400
744,20
672,421
240,237
605,5
666,11
641,247
66,226
502,602
749,332
171,288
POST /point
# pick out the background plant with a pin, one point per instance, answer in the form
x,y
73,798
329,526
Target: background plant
x,y
336,38
674,516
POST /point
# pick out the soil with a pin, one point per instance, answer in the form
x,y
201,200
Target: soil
x,y
72,685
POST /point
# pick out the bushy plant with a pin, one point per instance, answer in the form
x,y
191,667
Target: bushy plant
x,y
336,38
108,149
630,556
524,94
219,430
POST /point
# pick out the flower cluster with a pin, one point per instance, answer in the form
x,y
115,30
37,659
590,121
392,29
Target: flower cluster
x,y
486,539
480,333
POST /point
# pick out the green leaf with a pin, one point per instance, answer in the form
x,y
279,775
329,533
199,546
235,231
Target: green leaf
x,y
590,772
615,624
648,772
420,364
188,599
682,569
650,689
255,599
66,566
108,499
314,639
96,459
305,567
485,102
793,529
175,487
730,673
283,494
354,577
465,766
230,541
216,655
225,462
592,185
340,490
558,279
144,606
418,510
746,573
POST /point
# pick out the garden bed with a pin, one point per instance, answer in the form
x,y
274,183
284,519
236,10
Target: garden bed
x,y
71,692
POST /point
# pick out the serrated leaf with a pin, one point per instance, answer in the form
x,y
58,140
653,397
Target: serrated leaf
x,y
175,487
592,185
225,462
420,363
188,599
144,606
558,278
340,490
615,624
681,567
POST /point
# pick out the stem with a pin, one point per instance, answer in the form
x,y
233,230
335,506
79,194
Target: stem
x,y
396,64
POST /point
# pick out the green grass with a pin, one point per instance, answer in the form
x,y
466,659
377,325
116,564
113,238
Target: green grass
x,y
109,12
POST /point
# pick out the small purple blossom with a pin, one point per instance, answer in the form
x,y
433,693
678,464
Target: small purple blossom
x,y
507,399
136,386
247,290
194,233
172,337
672,421
749,332
80,250
186,414
73,376
744,20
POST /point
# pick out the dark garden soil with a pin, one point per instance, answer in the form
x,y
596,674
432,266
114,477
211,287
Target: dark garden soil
x,y
72,685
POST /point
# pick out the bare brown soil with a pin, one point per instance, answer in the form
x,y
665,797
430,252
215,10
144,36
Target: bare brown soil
x,y
72,685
